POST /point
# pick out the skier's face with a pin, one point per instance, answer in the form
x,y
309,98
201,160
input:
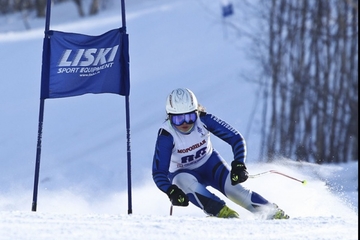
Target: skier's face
x,y
185,127
180,119
184,122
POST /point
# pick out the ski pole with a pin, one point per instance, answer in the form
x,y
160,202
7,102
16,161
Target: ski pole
x,y
304,182
171,209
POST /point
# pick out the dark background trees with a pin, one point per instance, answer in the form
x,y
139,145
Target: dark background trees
x,y
312,87
306,54
39,6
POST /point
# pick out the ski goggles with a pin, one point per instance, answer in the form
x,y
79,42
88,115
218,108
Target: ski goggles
x,y
179,119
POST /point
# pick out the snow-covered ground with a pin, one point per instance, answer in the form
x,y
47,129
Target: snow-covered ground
x,y
83,177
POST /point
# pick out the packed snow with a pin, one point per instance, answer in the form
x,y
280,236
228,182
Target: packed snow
x,y
83,191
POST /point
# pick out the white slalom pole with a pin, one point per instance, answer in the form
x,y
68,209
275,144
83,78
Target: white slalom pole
x,y
304,182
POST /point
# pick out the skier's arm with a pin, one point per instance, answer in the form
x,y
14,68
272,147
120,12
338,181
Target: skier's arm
x,y
161,160
227,133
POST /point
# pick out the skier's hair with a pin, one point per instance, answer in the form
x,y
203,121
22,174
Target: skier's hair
x,y
201,108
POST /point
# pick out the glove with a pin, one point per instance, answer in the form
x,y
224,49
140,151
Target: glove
x,y
238,173
177,196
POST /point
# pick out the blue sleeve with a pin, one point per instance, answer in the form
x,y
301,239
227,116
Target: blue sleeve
x,y
161,160
227,133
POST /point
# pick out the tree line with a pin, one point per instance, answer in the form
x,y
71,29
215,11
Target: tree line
x,y
39,6
312,87
306,52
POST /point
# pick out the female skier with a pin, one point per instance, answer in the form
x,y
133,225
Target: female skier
x,y
185,162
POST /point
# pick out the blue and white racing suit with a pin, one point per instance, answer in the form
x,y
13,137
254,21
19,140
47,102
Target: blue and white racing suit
x,y
190,162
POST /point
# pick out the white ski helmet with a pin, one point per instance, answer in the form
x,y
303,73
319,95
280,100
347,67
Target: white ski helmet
x,y
181,100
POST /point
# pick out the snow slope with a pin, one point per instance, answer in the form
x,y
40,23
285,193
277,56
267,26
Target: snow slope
x,y
83,178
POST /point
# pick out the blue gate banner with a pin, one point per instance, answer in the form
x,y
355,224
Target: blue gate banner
x,y
79,64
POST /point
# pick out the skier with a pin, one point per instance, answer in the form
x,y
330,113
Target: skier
x,y
185,162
